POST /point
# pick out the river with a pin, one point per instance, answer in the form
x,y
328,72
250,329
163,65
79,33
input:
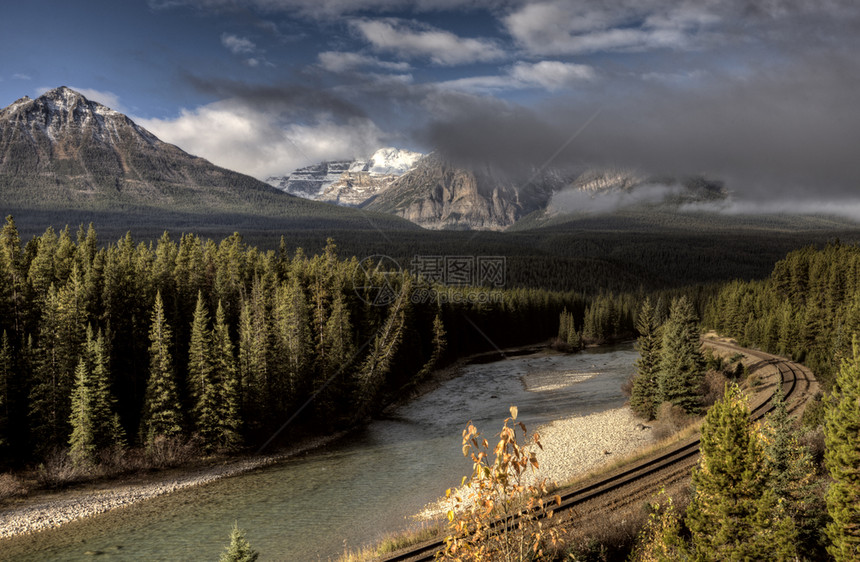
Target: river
x,y
352,491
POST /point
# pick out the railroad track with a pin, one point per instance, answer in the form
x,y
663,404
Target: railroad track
x,y
798,383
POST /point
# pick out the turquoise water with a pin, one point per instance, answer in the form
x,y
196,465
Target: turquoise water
x,y
353,491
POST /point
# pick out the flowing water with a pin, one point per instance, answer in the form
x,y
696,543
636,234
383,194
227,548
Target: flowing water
x,y
353,491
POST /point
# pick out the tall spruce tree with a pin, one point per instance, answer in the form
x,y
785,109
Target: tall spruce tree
x,y
82,446
734,515
681,361
790,473
162,414
204,389
6,370
225,371
644,395
842,458
108,429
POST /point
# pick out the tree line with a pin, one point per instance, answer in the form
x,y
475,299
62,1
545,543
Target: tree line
x,y
103,347
807,309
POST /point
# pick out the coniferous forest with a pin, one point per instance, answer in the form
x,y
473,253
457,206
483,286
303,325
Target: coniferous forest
x,y
131,344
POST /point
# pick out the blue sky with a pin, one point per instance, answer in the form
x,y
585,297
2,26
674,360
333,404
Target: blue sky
x,y
761,94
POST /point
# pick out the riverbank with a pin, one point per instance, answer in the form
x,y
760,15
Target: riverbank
x,y
46,509
49,509
577,445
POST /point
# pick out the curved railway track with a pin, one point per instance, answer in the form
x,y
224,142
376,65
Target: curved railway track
x,y
798,383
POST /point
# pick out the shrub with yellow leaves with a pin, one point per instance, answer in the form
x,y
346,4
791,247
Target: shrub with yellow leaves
x,y
501,513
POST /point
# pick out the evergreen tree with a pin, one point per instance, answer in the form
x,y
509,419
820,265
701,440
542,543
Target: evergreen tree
x,y
842,458
82,446
225,370
681,361
790,473
109,433
643,398
162,414
339,356
12,277
734,515
439,344
374,371
53,377
204,389
6,369
293,347
239,549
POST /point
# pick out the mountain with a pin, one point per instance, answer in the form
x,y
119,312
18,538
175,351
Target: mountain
x,y
438,194
348,182
63,151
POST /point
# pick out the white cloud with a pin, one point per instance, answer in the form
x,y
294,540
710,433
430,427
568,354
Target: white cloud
x,y
552,75
338,61
238,45
252,141
564,28
548,75
18,76
423,41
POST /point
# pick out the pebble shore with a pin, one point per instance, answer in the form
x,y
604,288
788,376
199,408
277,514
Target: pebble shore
x,y
575,446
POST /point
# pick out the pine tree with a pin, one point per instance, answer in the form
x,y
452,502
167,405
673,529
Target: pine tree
x,y
52,379
842,458
293,347
225,370
681,361
789,471
253,357
734,515
107,431
12,276
439,344
82,446
6,369
162,414
239,549
204,390
376,366
336,367
643,398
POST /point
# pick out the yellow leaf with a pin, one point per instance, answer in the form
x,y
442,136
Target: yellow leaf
x,y
448,493
451,515
514,412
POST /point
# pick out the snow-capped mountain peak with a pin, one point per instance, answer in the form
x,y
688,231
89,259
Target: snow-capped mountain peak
x,y
348,182
393,161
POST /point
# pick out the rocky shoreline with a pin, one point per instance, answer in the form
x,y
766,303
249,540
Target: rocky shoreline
x,y
575,446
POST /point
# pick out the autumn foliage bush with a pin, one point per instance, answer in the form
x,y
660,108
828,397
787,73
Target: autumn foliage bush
x,y
498,514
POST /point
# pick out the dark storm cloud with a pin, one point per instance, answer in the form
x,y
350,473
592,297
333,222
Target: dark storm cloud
x,y
289,100
793,127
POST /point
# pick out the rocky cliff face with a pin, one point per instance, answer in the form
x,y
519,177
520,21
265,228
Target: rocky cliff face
x,y
62,148
439,195
348,182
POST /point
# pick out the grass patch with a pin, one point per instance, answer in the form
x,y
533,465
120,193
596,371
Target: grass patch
x,y
392,543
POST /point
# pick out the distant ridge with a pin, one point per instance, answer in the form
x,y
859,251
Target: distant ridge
x,y
63,151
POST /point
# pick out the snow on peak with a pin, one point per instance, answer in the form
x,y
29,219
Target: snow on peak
x,y
394,161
